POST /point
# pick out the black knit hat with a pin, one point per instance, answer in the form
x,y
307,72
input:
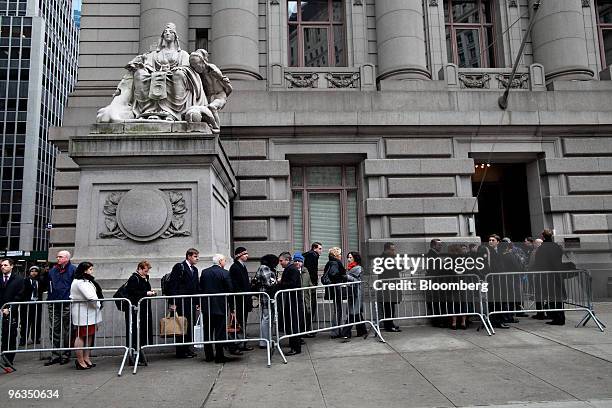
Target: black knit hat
x,y
238,252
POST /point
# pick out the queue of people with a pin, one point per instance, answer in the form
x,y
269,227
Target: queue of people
x,y
502,255
72,325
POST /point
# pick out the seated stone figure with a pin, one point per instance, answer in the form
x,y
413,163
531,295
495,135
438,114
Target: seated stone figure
x,y
217,88
159,85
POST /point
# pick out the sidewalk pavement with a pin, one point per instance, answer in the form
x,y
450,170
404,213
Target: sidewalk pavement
x,y
530,365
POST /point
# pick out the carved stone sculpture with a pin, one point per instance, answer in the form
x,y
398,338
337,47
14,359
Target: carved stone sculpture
x,y
144,215
169,84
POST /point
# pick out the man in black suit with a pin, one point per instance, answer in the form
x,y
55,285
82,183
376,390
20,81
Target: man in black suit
x,y
311,262
214,309
31,314
549,258
389,299
291,302
11,290
184,281
242,304
433,269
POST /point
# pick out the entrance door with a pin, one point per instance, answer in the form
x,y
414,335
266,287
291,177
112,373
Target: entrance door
x,y
325,208
503,203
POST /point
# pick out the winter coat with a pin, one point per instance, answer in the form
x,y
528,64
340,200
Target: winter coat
x,y
86,312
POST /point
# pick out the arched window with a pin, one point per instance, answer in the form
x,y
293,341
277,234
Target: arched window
x,y
316,33
470,33
604,27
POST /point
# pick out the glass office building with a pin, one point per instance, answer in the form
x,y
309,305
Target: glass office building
x,y
38,62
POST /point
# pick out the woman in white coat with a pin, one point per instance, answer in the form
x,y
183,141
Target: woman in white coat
x,y
85,313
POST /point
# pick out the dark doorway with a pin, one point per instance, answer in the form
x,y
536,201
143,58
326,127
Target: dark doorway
x,y
503,206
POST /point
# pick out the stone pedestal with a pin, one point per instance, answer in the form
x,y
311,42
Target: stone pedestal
x,y
150,191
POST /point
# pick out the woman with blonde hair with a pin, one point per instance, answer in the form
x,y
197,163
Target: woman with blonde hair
x,y
138,287
334,273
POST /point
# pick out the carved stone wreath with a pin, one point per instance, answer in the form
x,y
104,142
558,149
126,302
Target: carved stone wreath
x,y
302,80
519,82
144,215
342,80
479,81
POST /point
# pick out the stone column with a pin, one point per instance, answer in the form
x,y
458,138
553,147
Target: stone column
x,y
401,40
235,38
558,40
155,14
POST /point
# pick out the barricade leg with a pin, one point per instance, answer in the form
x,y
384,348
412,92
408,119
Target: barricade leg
x,y
591,315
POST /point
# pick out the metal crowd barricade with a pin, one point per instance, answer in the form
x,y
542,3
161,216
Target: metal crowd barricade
x,y
541,291
342,307
418,297
49,326
211,309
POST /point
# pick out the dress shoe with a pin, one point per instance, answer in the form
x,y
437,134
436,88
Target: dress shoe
x,y
393,330
556,323
64,360
80,367
310,335
235,352
346,339
263,347
513,320
246,348
292,352
190,354
501,326
302,342
52,361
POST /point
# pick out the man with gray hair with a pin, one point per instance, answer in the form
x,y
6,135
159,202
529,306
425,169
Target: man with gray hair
x,y
215,279
59,280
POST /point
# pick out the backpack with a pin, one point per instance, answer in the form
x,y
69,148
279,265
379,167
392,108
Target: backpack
x,y
164,284
121,293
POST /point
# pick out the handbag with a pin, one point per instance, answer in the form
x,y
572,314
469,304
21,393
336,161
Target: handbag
x,y
198,333
172,325
121,293
232,325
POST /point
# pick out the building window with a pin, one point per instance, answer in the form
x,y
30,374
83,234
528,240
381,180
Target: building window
x,y
325,208
469,33
316,33
604,26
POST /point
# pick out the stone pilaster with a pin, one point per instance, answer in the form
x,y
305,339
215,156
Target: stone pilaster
x,y
558,40
155,14
401,40
235,38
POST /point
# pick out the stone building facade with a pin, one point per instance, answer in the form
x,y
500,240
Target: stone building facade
x,y
356,122
38,51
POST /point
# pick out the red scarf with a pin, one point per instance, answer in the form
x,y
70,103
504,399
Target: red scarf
x,y
351,265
